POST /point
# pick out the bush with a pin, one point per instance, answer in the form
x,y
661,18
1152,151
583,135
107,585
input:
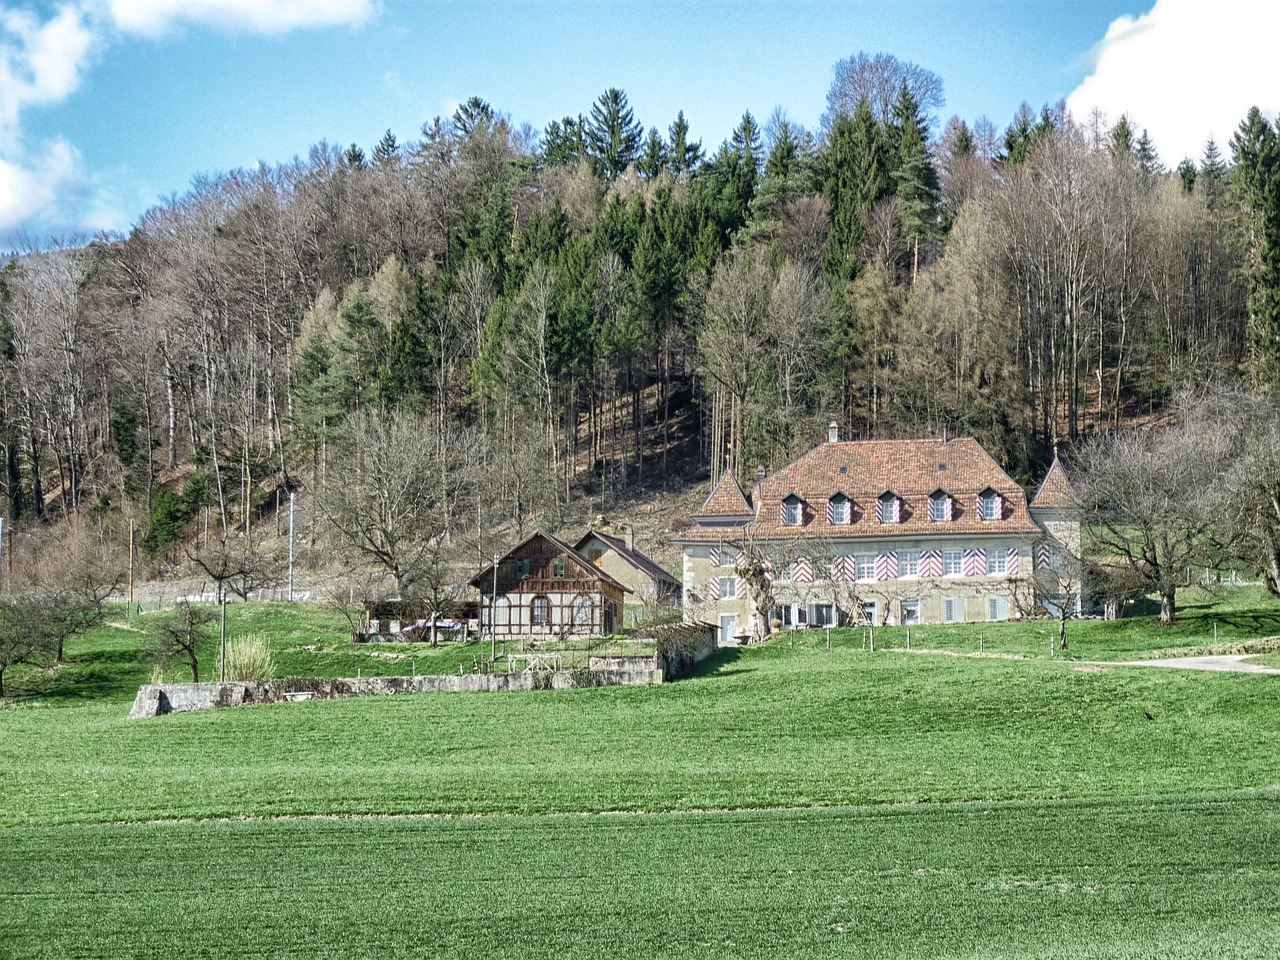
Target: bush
x,y
249,658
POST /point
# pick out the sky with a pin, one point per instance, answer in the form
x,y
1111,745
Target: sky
x,y
109,106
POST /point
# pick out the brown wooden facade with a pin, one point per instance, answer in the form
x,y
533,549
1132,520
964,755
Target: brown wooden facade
x,y
547,589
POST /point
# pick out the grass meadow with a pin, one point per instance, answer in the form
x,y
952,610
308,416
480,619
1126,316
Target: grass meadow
x,y
789,800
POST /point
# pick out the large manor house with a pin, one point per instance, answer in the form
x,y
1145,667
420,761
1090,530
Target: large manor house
x,y
889,532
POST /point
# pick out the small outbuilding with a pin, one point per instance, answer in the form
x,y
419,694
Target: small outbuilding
x,y
542,587
640,574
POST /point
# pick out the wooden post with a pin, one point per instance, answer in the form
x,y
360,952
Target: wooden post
x,y
131,538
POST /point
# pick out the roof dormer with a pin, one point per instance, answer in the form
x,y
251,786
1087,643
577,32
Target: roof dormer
x,y
889,507
940,506
990,505
839,509
792,510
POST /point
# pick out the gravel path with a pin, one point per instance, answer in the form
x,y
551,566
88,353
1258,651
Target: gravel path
x,y
1234,663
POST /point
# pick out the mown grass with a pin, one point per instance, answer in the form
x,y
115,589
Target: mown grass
x,y
1188,878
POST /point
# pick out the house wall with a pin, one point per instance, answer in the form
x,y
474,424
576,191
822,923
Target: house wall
x,y
642,586
702,564
581,604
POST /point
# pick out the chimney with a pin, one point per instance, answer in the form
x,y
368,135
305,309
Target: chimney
x,y
631,537
759,472
833,432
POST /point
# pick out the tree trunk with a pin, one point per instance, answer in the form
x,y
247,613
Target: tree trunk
x,y
1168,606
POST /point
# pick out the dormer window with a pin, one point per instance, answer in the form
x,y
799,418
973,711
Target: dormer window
x,y
839,510
990,505
887,507
792,511
939,506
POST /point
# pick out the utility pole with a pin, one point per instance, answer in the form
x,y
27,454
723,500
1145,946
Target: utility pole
x,y
291,504
493,613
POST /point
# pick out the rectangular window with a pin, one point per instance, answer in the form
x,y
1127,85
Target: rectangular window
x,y
997,563
997,608
728,588
559,567
727,555
522,568
786,615
866,566
888,510
938,509
839,511
989,508
822,615
910,612
1055,526
791,512
909,563
952,563
540,612
953,610
869,611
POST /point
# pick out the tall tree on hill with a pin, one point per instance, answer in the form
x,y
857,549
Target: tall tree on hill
x,y
1255,187
387,150
915,177
612,135
653,157
1213,174
472,114
685,155
564,142
854,177
877,79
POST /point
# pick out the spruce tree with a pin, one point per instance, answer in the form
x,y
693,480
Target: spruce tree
x,y
684,155
1255,190
915,177
387,150
653,158
1187,174
854,177
471,114
564,142
1213,174
612,135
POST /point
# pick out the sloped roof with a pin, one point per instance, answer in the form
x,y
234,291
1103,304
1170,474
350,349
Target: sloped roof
x,y
727,501
863,470
637,559
1055,490
485,575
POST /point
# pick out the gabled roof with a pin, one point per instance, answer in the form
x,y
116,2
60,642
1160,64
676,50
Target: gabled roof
x,y
634,557
727,501
485,576
1056,490
864,469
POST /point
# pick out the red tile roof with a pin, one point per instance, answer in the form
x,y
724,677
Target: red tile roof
x,y
634,557
1056,490
863,470
726,501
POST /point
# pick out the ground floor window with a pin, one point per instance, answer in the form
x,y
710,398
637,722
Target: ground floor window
x,y
869,612
823,615
910,614
953,610
540,611
997,608
582,611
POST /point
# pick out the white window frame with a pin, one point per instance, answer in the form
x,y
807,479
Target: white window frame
x,y
938,508
792,511
989,507
870,611
949,607
908,564
824,615
997,563
727,555
953,563
728,588
912,606
841,510
887,510
864,562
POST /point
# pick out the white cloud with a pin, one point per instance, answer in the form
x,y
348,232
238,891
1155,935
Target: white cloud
x,y
39,62
1185,72
30,185
263,16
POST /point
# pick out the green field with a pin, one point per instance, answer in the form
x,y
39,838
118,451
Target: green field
x,y
790,800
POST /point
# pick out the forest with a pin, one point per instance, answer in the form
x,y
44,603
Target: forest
x,y
549,318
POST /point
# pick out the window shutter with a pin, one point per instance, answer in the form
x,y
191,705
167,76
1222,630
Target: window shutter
x,y
713,589
946,507
1013,561
714,556
742,588
975,563
887,565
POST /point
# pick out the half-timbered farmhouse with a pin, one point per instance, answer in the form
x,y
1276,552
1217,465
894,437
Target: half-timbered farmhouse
x,y
542,587
882,531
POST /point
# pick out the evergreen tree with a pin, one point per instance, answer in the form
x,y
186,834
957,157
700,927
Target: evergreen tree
x,y
1213,174
354,157
387,150
653,158
612,135
1255,189
472,114
1019,137
788,175
1187,174
1148,160
684,156
564,142
855,175
915,176
1122,138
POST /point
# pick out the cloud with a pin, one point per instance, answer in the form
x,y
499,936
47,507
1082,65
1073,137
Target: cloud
x,y
39,62
1185,73
31,184
152,17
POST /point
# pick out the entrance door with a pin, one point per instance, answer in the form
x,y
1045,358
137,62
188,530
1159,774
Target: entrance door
x,y
728,628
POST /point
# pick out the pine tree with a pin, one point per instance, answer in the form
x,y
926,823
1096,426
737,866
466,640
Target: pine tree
x,y
1148,160
854,177
1187,174
564,142
1255,190
387,150
472,114
915,177
1122,138
653,158
1213,174
612,135
354,157
684,156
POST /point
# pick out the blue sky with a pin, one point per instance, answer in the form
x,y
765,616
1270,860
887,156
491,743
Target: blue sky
x,y
108,105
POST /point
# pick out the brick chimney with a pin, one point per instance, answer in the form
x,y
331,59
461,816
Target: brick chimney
x,y
631,537
833,432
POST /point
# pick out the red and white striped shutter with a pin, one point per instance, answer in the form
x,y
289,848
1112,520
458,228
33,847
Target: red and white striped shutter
x,y
714,556
831,512
713,589
742,588
1042,555
802,571
975,563
999,506
850,568
887,565
946,506
1013,561
895,510
738,556
931,563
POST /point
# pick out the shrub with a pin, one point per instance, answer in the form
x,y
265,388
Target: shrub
x,y
249,658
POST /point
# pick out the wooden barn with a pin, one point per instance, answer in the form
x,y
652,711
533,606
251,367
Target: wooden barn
x,y
545,588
